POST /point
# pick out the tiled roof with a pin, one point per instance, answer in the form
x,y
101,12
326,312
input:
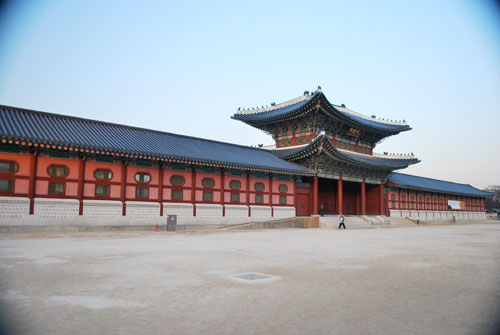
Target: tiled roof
x,y
287,109
377,162
434,185
55,129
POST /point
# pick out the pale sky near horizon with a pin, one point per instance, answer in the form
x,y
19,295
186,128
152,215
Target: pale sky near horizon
x,y
186,66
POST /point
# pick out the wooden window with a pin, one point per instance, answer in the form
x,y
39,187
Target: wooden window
x,y
56,188
101,174
6,185
208,196
283,199
142,192
58,171
393,197
307,140
259,187
235,184
282,143
177,195
235,197
177,180
403,198
208,182
283,188
300,141
288,142
259,198
8,167
102,191
142,177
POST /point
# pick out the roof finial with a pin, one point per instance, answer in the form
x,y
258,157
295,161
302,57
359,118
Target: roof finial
x,y
319,89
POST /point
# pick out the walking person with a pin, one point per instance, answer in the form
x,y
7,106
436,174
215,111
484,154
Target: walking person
x,y
342,219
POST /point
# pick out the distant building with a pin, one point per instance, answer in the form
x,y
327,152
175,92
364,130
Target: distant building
x,y
60,169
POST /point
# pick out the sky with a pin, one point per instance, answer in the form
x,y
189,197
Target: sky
x,y
186,66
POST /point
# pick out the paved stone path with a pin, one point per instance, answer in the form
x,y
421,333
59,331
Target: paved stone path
x,y
411,280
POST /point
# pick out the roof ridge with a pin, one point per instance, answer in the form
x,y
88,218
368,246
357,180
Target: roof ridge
x,y
77,118
446,181
374,119
277,106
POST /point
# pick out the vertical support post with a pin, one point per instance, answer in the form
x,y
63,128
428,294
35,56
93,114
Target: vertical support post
x,y
294,188
315,195
160,187
339,197
248,194
363,197
124,187
193,188
271,194
32,187
81,179
222,193
381,195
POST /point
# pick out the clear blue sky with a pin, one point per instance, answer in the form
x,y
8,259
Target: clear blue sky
x,y
186,66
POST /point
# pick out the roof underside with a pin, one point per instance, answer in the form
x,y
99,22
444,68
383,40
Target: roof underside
x,y
307,103
39,127
434,185
344,155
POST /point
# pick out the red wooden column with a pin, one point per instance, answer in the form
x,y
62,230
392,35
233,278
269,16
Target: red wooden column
x,y
32,187
124,187
381,195
271,194
363,198
160,187
248,194
193,188
339,197
81,179
222,193
315,196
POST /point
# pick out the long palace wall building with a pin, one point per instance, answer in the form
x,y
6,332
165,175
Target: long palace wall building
x,y
57,169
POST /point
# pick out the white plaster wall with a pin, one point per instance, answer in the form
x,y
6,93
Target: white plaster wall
x,y
52,211
260,212
142,210
179,209
394,213
208,211
13,210
284,212
102,210
236,211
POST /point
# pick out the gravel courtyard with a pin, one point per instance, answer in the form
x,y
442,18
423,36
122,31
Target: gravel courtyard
x,y
413,280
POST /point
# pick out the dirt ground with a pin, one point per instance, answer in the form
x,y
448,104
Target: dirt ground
x,y
413,280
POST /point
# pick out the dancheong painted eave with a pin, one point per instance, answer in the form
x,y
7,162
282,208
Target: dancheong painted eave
x,y
323,143
41,129
317,101
434,185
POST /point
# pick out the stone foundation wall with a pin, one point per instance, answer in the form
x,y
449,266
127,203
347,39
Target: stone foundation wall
x,y
13,210
437,215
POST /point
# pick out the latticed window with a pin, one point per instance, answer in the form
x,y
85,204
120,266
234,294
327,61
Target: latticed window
x,y
259,198
208,182
56,188
142,177
393,198
283,188
102,174
235,197
102,191
208,196
8,167
235,184
6,185
177,194
403,198
58,171
142,192
259,187
283,199
177,180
